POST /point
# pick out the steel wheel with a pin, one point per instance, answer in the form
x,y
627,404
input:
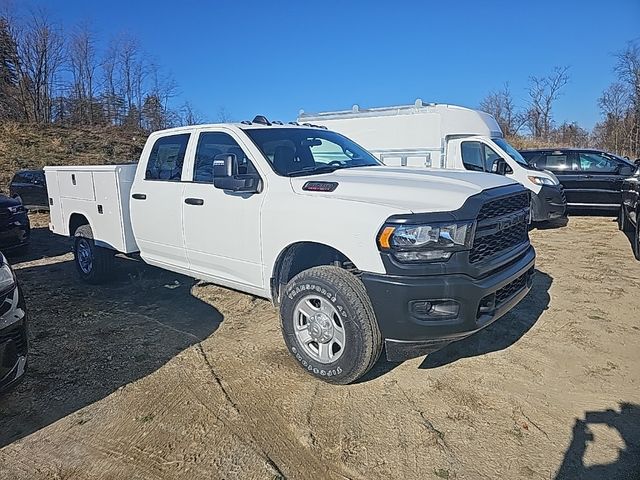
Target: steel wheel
x,y
319,329
84,255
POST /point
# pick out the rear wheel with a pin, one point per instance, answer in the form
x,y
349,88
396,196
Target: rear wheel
x,y
329,325
94,264
623,222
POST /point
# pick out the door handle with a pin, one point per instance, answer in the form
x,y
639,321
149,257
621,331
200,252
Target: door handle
x,y
194,201
139,196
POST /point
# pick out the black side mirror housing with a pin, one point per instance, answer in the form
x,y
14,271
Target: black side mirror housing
x,y
501,167
226,177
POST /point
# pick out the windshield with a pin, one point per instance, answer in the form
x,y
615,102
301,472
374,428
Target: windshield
x,y
306,151
512,152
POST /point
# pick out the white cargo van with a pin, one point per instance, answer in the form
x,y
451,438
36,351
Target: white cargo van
x,y
443,136
355,254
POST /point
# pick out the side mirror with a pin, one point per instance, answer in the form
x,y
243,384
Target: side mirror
x,y
625,170
501,167
226,177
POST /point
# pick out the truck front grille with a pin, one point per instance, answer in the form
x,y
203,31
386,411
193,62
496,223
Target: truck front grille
x,y
502,224
510,289
504,206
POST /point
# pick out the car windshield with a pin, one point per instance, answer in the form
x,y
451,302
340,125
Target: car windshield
x,y
307,151
512,152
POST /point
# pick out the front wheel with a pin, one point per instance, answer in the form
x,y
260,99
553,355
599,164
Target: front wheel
x,y
623,222
93,263
329,325
636,239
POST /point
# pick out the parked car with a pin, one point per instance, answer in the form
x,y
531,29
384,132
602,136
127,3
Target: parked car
x,y
443,136
13,329
30,186
354,253
592,179
15,229
629,215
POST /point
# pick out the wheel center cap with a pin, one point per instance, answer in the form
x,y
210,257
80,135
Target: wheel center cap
x,y
320,328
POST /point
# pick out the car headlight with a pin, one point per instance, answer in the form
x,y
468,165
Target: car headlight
x,y
7,280
426,242
541,180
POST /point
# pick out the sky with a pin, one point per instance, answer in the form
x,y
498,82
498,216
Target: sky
x,y
276,57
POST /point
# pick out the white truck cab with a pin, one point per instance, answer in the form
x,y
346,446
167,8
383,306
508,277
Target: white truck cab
x,y
357,255
443,136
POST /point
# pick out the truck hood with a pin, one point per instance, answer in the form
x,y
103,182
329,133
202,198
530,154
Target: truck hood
x,y
408,189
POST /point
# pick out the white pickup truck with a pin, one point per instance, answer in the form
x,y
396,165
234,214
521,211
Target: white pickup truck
x,y
357,255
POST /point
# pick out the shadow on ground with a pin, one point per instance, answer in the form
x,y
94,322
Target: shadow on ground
x,y
88,341
627,466
502,333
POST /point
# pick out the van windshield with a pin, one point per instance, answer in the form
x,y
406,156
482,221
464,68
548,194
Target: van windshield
x,y
512,152
308,151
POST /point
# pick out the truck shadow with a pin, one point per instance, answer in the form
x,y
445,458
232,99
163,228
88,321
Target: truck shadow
x,y
88,341
627,464
502,333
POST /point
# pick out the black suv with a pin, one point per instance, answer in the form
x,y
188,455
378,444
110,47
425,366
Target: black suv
x,y
31,187
592,179
15,229
629,216
13,329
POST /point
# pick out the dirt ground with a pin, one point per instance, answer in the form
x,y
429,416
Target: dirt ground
x,y
156,376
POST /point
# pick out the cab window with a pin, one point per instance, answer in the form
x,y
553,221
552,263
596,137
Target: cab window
x,y
472,156
478,157
211,144
597,163
167,158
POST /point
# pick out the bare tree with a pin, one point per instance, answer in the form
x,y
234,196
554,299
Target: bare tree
x,y
223,116
189,116
543,92
501,105
83,66
40,57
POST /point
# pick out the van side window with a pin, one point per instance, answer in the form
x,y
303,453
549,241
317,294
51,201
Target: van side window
x,y
597,163
211,144
167,157
556,162
472,156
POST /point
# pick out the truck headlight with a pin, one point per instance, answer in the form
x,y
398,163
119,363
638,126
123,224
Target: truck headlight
x,y
7,280
541,180
426,242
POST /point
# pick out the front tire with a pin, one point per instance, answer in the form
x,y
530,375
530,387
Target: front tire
x,y
329,325
94,264
623,222
636,239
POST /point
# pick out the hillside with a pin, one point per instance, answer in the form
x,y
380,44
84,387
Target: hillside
x,y
34,146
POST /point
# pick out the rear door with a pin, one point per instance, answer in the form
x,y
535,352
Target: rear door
x,y
222,228
156,202
564,165
601,182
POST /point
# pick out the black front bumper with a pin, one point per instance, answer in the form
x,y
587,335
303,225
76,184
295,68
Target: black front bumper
x,y
13,338
15,231
481,301
548,204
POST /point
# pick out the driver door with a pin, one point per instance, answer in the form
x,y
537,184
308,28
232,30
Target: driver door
x,y
221,228
600,180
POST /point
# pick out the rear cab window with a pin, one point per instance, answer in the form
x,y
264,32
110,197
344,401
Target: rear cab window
x,y
167,158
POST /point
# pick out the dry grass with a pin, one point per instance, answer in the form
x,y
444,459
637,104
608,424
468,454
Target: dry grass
x,y
34,146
